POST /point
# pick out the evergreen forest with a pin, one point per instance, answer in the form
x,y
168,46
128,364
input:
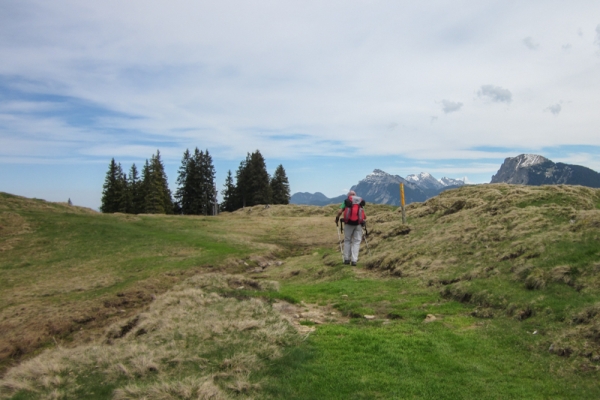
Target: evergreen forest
x,y
196,192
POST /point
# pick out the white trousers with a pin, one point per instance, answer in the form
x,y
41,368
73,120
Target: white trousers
x,y
352,239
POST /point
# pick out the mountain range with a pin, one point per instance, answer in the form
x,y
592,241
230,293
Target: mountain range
x,y
382,188
535,170
526,169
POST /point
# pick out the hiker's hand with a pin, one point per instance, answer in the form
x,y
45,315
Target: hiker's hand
x,y
337,220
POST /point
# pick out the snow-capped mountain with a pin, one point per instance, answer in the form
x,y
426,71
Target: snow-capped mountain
x,y
382,188
425,181
535,170
453,182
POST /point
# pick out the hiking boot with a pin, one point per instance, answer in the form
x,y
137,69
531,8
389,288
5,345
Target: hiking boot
x,y
346,262
354,263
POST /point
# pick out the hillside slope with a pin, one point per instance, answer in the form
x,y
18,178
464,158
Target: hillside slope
x,y
488,292
517,251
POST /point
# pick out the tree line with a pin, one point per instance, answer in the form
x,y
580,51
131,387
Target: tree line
x,y
196,192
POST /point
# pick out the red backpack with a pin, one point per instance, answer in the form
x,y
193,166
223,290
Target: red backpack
x,y
353,212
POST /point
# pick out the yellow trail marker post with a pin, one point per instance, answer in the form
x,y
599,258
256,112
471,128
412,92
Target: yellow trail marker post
x,y
402,203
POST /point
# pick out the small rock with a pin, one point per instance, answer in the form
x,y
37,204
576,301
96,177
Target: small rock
x,y
369,317
535,332
430,318
240,288
296,316
279,263
333,313
345,296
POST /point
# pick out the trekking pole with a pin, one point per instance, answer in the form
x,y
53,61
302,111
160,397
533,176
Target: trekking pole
x,y
365,234
340,241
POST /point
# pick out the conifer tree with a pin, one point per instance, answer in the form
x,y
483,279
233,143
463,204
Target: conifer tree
x,y
157,198
196,183
144,188
135,195
252,181
207,181
112,193
259,182
280,187
124,199
183,193
228,203
242,184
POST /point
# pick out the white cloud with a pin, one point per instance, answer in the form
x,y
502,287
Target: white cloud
x,y
451,106
530,43
495,94
90,80
554,109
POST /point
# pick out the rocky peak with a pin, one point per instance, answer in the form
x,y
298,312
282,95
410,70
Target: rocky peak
x,y
425,180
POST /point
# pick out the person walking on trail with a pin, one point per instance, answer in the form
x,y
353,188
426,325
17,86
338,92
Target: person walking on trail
x,y
354,218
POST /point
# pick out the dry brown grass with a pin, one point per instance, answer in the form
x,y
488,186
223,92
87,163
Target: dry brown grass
x,y
487,222
38,306
180,328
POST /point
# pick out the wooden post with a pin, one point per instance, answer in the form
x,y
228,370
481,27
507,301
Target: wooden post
x,y
402,203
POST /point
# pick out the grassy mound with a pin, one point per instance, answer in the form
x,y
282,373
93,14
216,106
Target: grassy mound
x,y
518,251
488,291
191,343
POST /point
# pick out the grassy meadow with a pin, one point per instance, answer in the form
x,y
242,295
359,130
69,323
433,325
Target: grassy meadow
x,y
488,291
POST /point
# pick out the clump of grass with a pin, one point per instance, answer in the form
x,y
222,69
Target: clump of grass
x,y
192,343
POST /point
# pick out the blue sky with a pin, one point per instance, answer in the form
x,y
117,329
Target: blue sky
x,y
329,89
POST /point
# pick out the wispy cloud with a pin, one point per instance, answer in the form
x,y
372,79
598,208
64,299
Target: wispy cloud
x,y
451,106
91,80
530,43
495,94
554,109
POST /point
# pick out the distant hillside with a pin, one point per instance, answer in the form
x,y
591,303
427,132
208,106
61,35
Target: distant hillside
x,y
535,170
379,187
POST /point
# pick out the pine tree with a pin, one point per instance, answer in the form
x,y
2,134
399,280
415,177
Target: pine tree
x,y
112,193
259,184
183,194
124,198
157,194
242,184
252,182
135,195
228,203
196,183
207,178
280,186
144,188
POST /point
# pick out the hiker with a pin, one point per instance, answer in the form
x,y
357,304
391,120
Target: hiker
x,y
354,218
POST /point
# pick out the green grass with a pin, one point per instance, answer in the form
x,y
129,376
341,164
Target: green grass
x,y
422,361
480,346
